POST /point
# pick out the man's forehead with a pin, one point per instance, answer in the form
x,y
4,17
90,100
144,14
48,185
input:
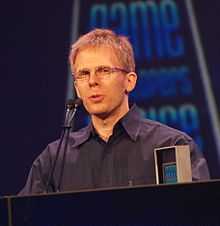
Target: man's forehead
x,y
87,53
96,49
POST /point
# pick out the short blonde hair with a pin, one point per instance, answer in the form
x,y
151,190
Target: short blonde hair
x,y
104,37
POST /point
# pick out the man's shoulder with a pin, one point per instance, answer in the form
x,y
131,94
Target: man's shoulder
x,y
157,129
75,138
82,132
80,136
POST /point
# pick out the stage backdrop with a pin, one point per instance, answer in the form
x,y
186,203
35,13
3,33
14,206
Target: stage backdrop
x,y
175,85
176,46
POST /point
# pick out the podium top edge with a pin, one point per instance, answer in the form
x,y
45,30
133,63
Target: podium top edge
x,y
120,188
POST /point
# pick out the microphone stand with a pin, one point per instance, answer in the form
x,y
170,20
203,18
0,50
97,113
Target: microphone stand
x,y
71,109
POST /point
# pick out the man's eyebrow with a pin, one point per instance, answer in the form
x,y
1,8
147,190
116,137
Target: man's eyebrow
x,y
84,69
88,69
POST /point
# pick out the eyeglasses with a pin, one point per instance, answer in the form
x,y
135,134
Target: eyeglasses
x,y
101,72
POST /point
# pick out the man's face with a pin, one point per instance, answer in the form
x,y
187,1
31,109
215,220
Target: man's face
x,y
103,96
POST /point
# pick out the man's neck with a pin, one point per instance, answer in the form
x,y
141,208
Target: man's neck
x,y
104,126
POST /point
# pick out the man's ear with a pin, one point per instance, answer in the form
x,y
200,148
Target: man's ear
x,y
131,81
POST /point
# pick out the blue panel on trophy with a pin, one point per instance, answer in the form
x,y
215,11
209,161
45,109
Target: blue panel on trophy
x,y
169,173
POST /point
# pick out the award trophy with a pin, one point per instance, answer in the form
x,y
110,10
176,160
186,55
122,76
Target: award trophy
x,y
172,164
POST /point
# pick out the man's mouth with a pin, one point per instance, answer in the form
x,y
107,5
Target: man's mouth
x,y
96,98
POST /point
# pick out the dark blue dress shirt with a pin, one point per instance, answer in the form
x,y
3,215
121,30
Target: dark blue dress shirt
x,y
127,158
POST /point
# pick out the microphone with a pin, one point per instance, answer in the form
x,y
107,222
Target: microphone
x,y
71,108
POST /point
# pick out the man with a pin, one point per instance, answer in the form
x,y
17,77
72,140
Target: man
x,y
116,148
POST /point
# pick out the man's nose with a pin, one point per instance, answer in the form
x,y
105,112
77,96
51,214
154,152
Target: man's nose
x,y
93,78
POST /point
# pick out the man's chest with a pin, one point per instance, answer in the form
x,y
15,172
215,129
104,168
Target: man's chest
x,y
109,166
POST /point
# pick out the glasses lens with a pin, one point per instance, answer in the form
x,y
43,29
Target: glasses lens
x,y
82,75
102,71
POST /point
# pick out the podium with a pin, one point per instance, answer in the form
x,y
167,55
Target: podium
x,y
188,204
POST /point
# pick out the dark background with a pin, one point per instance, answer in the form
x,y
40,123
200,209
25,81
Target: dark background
x,y
34,48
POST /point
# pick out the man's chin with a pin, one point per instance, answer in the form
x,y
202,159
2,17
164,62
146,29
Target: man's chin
x,y
101,113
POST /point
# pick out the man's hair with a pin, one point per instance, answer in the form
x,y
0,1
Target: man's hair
x,y
104,37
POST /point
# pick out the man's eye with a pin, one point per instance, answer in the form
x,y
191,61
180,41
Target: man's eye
x,y
83,73
104,69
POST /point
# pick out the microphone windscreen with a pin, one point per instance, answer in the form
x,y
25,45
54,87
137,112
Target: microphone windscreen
x,y
78,101
71,103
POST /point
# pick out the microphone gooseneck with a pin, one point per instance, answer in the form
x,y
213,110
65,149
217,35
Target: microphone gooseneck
x,y
71,108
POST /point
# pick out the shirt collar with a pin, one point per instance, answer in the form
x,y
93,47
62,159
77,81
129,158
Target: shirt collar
x,y
130,122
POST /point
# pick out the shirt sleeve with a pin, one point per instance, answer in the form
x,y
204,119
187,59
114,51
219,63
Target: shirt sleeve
x,y
199,165
38,176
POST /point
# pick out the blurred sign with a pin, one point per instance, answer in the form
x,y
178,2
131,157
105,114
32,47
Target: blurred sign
x,y
173,81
